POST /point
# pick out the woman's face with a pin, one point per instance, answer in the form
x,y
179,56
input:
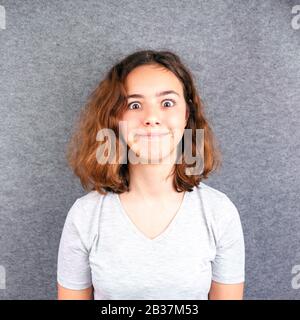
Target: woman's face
x,y
151,110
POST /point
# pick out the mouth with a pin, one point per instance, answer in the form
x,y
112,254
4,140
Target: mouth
x,y
152,135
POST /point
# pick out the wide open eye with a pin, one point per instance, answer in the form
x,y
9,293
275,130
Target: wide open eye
x,y
171,100
135,102
132,104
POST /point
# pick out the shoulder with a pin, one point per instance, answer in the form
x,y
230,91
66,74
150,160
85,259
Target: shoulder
x,y
83,217
85,208
220,207
212,193
90,200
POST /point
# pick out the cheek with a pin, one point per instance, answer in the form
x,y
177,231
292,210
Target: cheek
x,y
176,118
176,122
127,126
131,120
176,125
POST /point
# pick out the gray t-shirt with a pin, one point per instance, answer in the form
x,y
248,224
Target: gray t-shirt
x,y
101,246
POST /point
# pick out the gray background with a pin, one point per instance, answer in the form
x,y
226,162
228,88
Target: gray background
x,y
245,56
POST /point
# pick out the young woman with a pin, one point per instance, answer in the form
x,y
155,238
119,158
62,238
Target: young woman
x,y
148,229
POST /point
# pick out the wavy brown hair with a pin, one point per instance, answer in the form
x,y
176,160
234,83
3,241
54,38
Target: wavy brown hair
x,y
104,108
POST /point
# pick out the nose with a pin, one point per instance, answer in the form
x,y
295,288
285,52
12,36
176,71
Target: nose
x,y
151,119
151,122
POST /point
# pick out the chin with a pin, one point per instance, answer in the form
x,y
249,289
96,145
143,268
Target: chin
x,y
154,158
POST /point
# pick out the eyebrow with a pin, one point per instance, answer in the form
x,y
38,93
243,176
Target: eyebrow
x,y
159,94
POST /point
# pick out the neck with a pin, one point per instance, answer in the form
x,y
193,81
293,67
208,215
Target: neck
x,y
152,181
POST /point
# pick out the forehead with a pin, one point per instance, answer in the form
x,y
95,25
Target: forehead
x,y
148,80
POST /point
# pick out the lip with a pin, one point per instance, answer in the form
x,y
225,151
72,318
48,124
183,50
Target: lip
x,y
151,135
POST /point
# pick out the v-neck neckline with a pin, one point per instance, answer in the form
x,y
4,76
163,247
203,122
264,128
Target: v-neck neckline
x,y
139,233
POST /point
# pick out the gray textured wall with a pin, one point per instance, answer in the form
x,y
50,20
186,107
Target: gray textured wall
x,y
245,56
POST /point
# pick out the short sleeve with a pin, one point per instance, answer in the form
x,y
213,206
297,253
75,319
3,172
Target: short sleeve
x,y
73,269
228,265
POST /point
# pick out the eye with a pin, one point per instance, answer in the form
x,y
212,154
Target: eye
x,y
171,100
134,103
131,104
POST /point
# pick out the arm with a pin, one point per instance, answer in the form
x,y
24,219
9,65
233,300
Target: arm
x,y
68,294
228,265
221,291
74,280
